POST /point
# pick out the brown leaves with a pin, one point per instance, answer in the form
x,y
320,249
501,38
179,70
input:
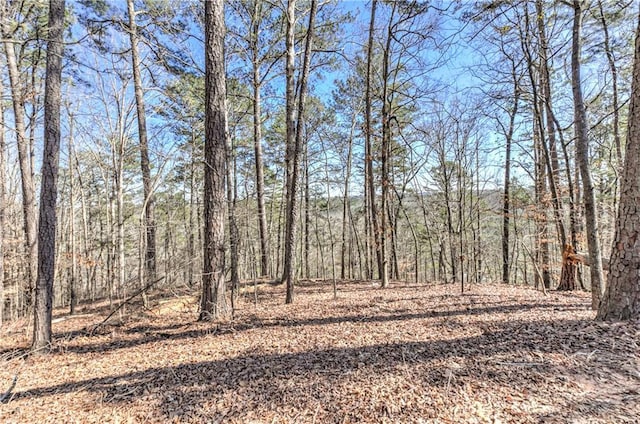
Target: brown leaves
x,y
404,354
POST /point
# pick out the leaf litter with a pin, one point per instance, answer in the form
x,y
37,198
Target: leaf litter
x,y
407,354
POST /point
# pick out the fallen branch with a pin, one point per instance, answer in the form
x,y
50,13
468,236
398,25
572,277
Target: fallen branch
x,y
521,364
7,395
129,299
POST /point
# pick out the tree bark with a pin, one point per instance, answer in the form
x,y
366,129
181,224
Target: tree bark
x,y
234,237
2,201
375,233
506,206
149,203
72,217
346,204
48,193
26,170
385,151
582,153
295,136
213,301
621,300
257,139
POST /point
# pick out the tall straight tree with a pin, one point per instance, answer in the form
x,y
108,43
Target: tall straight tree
x,y
621,300
2,202
294,137
148,205
24,151
256,21
49,187
506,201
214,301
368,146
290,155
582,156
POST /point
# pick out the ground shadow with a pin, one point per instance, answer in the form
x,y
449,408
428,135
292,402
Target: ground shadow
x,y
202,387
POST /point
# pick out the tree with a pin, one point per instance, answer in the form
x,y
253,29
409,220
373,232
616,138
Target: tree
x,y
214,302
368,152
582,156
18,92
294,138
148,205
49,188
2,202
621,300
261,39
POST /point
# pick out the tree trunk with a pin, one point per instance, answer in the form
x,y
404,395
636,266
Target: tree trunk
x,y
72,231
621,300
368,154
149,204
582,153
191,237
614,84
2,201
257,138
290,160
294,135
346,204
26,173
214,302
506,206
234,237
48,193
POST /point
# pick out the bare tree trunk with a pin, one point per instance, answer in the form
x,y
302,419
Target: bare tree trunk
x,y
375,233
582,153
149,203
26,173
307,215
191,237
257,139
346,204
72,218
2,201
621,300
614,84
214,302
295,136
48,193
234,237
290,159
506,205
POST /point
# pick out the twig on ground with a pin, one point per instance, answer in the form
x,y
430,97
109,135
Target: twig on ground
x,y
129,299
7,395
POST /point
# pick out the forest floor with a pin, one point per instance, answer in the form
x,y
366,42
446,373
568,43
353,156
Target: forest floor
x,y
407,354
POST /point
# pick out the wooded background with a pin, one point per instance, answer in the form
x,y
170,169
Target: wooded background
x,y
458,142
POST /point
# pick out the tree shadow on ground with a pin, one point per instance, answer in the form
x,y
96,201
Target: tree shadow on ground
x,y
150,335
229,389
